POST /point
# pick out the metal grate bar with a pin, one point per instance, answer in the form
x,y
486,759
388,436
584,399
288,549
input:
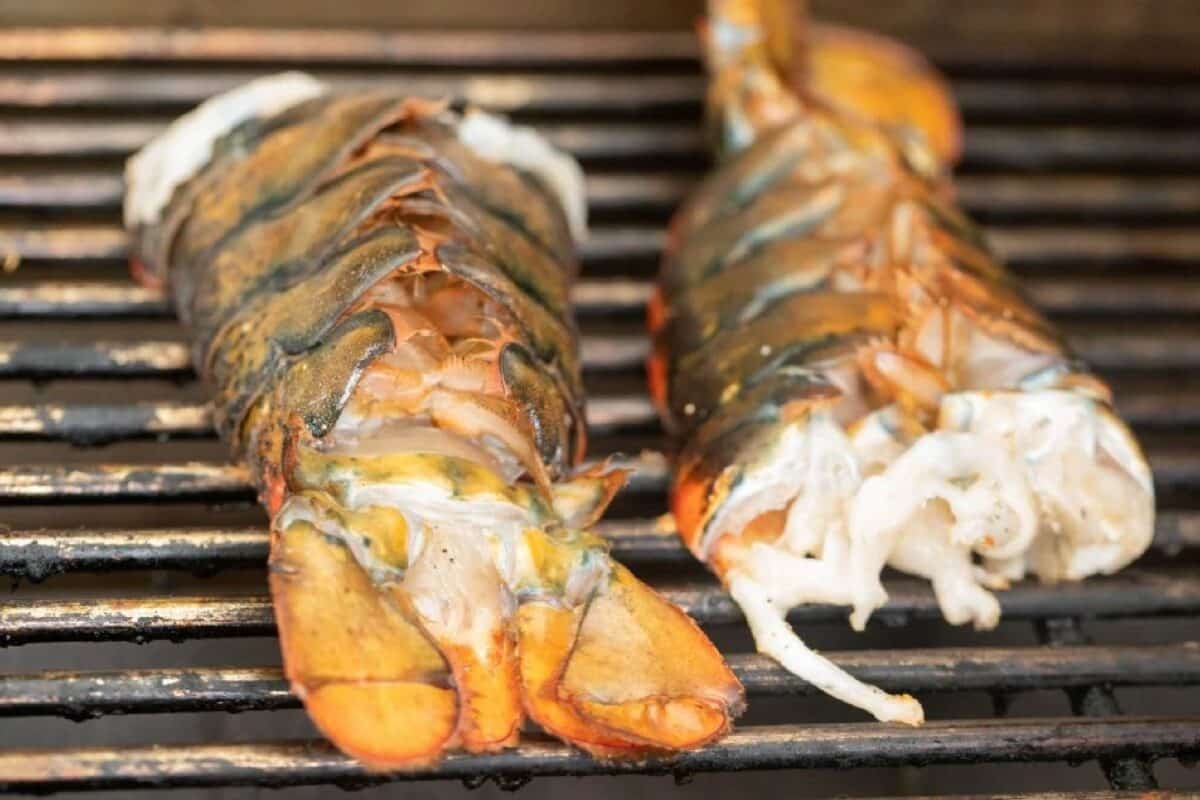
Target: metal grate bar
x,y
95,87
197,479
37,554
25,358
459,48
167,93
92,694
1044,148
1025,247
1156,348
88,424
81,299
190,479
98,190
67,299
93,423
1135,592
75,138
1097,700
774,747
1095,197
486,49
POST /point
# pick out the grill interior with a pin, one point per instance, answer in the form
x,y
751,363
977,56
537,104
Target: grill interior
x,y
125,522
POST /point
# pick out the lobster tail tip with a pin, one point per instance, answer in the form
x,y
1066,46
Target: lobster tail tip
x,y
632,673
768,62
387,727
370,679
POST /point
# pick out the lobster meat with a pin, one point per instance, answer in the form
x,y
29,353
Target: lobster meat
x,y
376,291
852,378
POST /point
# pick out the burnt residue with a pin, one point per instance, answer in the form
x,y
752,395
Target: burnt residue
x,y
135,619
91,695
185,481
36,555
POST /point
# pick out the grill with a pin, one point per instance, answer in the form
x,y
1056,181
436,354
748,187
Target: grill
x,y
1088,182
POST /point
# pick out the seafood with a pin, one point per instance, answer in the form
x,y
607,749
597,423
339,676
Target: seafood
x,y
852,379
376,293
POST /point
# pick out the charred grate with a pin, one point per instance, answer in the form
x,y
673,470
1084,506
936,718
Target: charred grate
x,y
1090,187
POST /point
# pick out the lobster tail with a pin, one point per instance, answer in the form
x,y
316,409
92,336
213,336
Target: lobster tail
x,y
852,378
376,291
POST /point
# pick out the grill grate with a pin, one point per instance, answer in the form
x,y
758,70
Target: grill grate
x,y
773,747
1089,185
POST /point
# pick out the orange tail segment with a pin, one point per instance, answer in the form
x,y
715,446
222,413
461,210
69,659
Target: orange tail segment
x,y
643,668
491,702
768,62
546,635
640,672
369,678
887,82
457,595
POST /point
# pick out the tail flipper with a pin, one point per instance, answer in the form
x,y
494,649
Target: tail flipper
x,y
457,594
643,668
546,635
885,81
768,63
638,671
369,678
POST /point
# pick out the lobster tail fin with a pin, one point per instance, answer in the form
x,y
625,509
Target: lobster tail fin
x,y
767,61
643,668
369,677
631,667
546,635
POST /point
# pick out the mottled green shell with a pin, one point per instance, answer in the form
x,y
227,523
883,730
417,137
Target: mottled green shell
x,y
265,261
757,308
